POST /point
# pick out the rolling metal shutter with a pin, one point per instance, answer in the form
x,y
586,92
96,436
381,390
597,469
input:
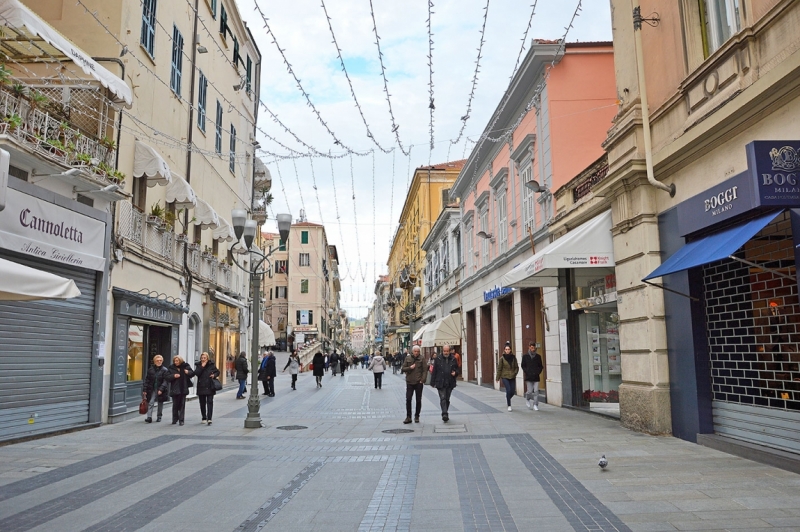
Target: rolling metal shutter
x,y
45,356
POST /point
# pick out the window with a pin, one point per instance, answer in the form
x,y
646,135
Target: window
x,y
148,37
281,266
445,258
232,156
280,292
215,247
457,241
528,212
177,61
502,220
249,74
470,250
304,286
236,57
305,317
720,20
202,93
214,9
218,129
484,241
304,237
223,21
305,259
282,246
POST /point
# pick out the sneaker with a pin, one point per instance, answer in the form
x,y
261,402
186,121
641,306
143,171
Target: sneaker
x,y
528,402
536,408
203,421
509,409
209,422
406,421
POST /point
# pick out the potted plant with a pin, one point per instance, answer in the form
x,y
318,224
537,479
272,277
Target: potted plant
x,y
82,159
12,122
38,99
156,215
193,246
56,147
5,75
108,143
20,90
116,176
207,253
182,237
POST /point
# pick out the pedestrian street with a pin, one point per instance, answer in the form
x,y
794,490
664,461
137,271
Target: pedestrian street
x,y
339,458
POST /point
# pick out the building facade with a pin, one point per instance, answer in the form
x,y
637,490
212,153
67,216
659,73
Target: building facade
x,y
721,115
556,112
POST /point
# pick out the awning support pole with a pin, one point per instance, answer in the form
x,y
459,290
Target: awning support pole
x,y
670,290
754,265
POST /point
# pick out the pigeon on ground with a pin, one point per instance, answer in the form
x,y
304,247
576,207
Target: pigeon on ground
x,y
603,462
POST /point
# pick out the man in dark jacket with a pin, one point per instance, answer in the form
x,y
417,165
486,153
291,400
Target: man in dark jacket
x,y
445,372
335,362
241,374
156,387
269,373
415,368
531,369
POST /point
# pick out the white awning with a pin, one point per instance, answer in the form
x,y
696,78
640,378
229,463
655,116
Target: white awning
x,y
179,191
224,231
205,216
23,283
21,26
588,246
418,334
228,300
147,162
444,331
266,338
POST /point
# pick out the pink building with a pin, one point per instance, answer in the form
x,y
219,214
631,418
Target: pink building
x,y
548,128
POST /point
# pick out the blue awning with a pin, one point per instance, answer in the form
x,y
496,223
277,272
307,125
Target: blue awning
x,y
713,247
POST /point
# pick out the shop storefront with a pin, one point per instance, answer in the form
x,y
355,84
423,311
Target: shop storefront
x,y
581,265
51,351
144,327
224,333
732,307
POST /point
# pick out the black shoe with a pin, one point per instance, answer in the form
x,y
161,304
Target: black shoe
x,y
148,420
174,421
416,419
181,423
158,420
445,418
407,421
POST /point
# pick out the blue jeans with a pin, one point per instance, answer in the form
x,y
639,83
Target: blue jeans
x,y
242,386
511,389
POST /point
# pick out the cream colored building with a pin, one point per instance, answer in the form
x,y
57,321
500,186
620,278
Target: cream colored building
x,y
174,290
275,288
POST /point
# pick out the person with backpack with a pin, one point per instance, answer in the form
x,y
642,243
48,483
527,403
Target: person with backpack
x,y
507,369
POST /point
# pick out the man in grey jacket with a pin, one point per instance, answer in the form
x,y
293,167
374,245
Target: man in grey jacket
x,y
414,367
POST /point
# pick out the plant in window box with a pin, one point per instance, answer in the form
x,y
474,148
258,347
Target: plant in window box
x,y
116,176
182,237
20,90
12,122
5,75
38,99
193,246
207,254
82,159
156,216
56,147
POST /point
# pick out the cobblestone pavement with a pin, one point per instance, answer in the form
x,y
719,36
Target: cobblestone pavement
x,y
339,469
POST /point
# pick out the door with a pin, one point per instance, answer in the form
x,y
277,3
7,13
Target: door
x,y
46,356
487,354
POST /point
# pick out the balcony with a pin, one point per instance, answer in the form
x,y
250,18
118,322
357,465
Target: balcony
x,y
70,124
160,242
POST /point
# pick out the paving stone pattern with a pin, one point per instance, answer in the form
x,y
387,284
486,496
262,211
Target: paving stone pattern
x,y
522,470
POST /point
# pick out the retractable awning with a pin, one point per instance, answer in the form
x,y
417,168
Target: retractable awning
x,y
205,216
418,334
713,247
27,37
266,337
179,191
147,162
224,231
23,283
588,246
444,331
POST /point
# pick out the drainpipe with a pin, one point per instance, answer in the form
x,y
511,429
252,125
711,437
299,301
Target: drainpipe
x,y
189,140
648,149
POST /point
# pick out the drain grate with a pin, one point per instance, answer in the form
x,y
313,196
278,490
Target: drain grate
x,y
291,427
397,431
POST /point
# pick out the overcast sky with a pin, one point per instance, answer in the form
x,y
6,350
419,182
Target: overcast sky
x,y
362,229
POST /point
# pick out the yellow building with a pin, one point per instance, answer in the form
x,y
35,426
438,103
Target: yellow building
x,y
428,193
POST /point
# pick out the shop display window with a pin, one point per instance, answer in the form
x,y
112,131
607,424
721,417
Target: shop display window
x,y
135,352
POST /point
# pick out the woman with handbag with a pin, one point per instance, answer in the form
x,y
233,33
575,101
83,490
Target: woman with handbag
x,y
318,368
180,375
378,366
507,369
156,387
207,377
294,368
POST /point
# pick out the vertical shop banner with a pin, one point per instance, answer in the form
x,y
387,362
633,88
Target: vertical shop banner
x,y
564,344
35,227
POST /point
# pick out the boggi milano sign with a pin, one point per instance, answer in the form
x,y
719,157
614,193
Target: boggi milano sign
x,y
772,179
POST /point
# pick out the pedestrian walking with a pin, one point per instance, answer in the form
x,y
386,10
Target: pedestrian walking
x,y
378,366
397,361
206,372
365,360
268,375
335,363
507,369
241,374
531,369
327,362
156,388
319,368
445,373
343,363
415,369
294,368
180,378
261,367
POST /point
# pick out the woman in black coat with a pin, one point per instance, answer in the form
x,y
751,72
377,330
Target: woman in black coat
x,y
319,368
180,375
206,371
156,387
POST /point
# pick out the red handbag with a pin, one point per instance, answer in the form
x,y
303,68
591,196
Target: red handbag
x,y
311,366
143,405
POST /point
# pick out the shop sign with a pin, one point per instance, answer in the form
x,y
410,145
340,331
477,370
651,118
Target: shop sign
x,y
589,302
35,227
148,312
304,328
496,292
772,179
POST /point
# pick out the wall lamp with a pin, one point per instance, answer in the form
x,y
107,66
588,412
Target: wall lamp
x,y
535,187
484,234
201,49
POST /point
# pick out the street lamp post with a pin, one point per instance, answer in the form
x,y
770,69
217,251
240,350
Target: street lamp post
x,y
244,228
412,308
